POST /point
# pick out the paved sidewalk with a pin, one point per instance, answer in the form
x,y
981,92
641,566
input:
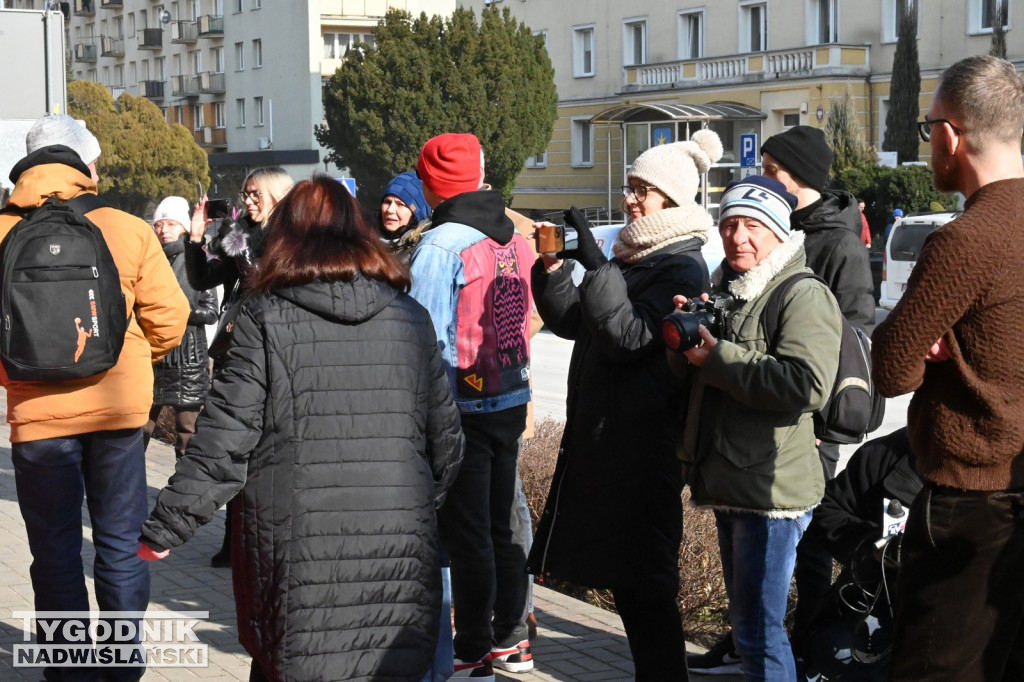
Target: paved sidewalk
x,y
575,641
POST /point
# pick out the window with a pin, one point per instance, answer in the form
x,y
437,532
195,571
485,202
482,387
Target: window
x,y
982,15
538,160
790,119
754,27
544,36
195,58
583,51
131,24
257,105
161,68
893,12
238,6
691,35
118,75
118,27
177,65
218,114
257,53
217,57
634,42
239,56
988,17
133,77
240,112
144,20
144,70
582,142
821,22
198,120
256,4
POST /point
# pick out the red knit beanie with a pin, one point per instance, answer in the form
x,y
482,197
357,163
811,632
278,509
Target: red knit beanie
x,y
451,164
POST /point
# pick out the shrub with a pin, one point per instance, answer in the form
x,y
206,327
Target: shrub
x,y
883,189
702,599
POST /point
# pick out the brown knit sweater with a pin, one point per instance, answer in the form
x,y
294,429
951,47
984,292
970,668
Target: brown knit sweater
x,y
966,418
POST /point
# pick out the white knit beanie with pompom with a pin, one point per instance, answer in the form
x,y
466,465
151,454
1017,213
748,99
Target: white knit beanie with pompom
x,y
675,168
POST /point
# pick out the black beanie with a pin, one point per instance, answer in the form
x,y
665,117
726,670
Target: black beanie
x,y
802,150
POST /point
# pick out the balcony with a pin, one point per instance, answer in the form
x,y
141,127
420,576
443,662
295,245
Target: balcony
x,y
111,47
116,90
184,32
211,82
211,26
111,4
85,52
185,86
818,61
65,9
211,137
151,89
151,39
85,8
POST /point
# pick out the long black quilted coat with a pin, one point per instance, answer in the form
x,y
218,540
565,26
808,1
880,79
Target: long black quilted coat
x,y
182,377
333,409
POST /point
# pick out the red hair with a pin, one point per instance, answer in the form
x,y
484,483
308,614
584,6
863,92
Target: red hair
x,y
318,231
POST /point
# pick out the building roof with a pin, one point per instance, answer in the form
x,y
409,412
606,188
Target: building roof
x,y
669,111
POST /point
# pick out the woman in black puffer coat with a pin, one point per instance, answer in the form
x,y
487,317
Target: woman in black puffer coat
x,y
614,514
182,378
332,408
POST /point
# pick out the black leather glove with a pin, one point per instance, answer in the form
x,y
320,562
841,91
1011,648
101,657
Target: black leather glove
x,y
587,253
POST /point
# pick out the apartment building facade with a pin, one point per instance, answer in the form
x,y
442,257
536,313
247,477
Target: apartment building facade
x,y
245,76
630,76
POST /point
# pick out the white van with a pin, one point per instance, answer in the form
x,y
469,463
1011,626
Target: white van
x,y
905,242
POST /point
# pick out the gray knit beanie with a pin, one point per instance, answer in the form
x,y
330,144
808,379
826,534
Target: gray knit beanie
x,y
675,168
62,129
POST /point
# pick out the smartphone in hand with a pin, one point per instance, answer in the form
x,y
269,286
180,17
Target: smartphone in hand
x,y
218,209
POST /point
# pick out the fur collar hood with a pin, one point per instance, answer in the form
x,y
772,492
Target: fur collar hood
x,y
749,285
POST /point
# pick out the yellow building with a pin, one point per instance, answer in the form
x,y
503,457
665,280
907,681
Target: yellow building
x,y
630,76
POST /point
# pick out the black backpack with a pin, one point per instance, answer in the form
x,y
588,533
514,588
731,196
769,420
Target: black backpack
x,y
855,408
64,314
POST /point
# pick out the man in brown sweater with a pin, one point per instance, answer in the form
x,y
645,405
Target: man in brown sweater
x,y
960,614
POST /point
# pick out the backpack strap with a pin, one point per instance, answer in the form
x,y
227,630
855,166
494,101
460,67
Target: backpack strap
x,y
773,308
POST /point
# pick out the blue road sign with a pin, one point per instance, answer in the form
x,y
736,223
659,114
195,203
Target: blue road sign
x,y
350,184
748,151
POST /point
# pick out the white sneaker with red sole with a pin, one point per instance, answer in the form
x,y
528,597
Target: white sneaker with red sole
x,y
514,659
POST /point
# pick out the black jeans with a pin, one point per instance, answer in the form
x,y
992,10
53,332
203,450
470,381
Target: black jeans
x,y
960,604
813,571
654,628
488,566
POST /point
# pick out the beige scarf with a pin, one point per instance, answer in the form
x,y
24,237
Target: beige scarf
x,y
647,234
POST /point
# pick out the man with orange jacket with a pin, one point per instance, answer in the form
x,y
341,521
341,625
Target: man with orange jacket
x,y
83,437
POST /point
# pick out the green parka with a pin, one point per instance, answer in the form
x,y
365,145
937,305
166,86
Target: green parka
x,y
749,438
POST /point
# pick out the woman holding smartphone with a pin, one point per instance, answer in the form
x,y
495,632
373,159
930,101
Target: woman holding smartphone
x,y
228,258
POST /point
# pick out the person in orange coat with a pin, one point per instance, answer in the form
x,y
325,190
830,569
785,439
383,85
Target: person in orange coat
x,y
83,437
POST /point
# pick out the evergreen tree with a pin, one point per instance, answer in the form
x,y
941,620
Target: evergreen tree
x,y
904,91
427,76
144,158
846,137
997,10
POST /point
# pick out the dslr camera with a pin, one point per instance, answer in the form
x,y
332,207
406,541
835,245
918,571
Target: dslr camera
x,y
679,328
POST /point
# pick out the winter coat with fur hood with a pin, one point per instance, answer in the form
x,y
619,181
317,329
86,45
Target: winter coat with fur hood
x,y
749,437
333,410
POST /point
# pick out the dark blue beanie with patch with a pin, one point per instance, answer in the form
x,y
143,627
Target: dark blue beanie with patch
x,y
409,189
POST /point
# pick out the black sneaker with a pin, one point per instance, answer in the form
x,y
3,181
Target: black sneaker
x,y
721,659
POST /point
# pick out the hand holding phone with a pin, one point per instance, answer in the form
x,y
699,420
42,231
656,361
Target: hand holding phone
x,y
218,209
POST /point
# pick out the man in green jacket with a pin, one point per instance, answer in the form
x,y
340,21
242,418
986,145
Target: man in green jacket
x,y
748,448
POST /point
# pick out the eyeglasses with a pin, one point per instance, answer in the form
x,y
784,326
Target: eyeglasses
x,y
639,194
925,127
255,195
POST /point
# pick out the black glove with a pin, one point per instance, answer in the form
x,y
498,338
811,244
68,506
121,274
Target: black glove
x,y
587,253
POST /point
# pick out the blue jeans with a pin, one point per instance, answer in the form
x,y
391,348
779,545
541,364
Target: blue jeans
x,y
488,566
444,655
758,555
108,469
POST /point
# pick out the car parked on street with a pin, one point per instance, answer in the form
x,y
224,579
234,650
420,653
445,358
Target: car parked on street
x,y
902,249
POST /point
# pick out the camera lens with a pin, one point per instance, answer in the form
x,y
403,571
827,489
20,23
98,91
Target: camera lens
x,y
680,331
